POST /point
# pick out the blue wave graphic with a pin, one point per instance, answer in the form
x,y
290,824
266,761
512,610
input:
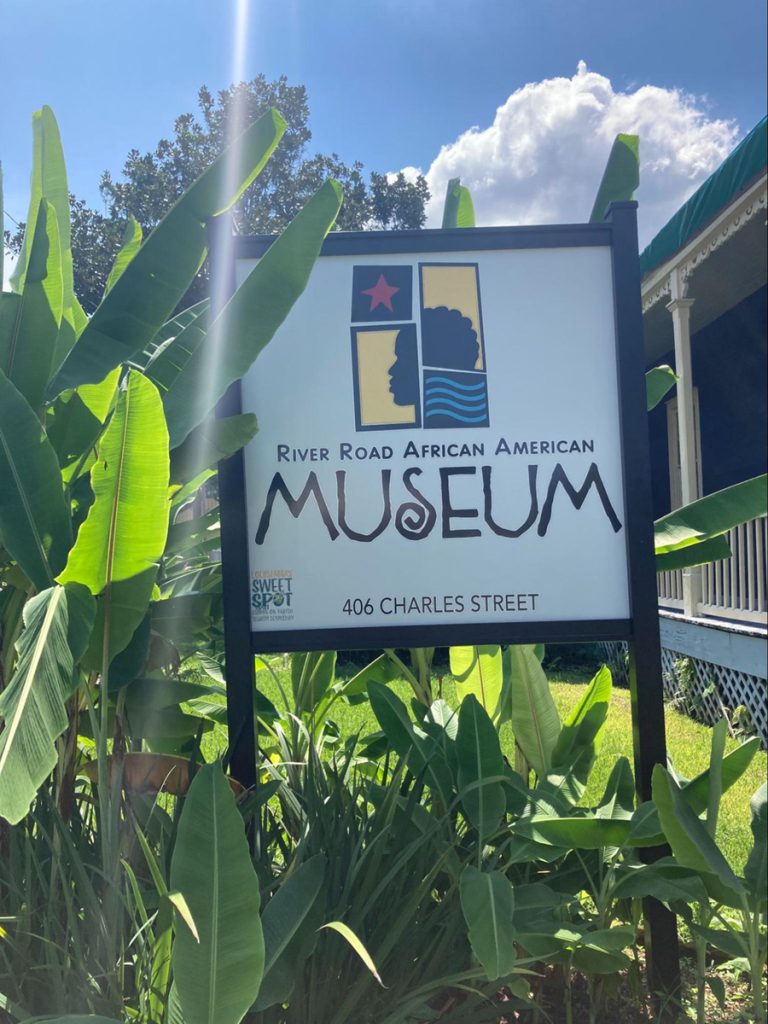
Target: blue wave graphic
x,y
456,416
455,384
450,399
479,406
453,394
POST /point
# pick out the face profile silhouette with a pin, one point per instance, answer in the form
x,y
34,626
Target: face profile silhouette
x,y
404,372
448,339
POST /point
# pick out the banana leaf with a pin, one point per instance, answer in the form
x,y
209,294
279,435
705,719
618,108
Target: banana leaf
x,y
33,705
250,318
621,175
479,671
458,209
488,903
121,541
34,520
691,843
658,382
27,349
218,977
480,761
535,720
712,516
155,280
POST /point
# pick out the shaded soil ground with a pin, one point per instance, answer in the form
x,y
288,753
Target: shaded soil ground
x,y
625,1002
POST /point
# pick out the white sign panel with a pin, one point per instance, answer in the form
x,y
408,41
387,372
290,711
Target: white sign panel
x,y
439,445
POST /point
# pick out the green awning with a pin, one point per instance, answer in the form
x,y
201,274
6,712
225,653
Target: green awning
x,y
734,175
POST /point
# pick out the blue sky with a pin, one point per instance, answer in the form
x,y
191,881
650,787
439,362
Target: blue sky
x,y
392,82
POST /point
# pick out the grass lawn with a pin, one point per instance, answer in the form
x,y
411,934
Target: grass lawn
x,y
688,744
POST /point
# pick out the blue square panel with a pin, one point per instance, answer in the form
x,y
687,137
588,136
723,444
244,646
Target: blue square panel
x,y
455,399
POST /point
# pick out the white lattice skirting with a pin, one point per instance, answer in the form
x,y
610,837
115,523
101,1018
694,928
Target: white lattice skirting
x,y
705,691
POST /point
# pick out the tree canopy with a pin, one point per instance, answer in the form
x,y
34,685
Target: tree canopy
x,y
151,182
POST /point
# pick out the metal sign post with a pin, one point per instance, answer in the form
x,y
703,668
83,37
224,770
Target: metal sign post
x,y
453,449
239,661
645,678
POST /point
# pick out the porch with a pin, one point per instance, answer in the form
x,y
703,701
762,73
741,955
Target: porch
x,y
734,590
704,304
714,634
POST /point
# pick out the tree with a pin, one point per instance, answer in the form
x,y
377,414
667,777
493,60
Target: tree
x,y
151,182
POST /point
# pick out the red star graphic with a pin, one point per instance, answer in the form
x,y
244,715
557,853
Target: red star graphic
x,y
381,294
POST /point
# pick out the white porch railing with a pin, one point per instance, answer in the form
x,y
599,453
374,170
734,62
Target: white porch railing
x,y
670,588
734,588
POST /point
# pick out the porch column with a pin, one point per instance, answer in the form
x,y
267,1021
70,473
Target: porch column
x,y
680,308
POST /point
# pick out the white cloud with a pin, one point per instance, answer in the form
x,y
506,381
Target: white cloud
x,y
542,158
409,173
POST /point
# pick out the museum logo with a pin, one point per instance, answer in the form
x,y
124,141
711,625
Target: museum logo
x,y
418,366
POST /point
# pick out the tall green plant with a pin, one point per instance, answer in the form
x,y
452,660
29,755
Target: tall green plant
x,y
694,847
87,500
93,416
218,967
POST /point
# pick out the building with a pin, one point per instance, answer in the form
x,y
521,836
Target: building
x,y
705,310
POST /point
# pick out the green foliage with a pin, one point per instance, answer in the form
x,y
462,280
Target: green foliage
x,y
311,677
621,175
152,181
582,833
487,903
687,557
659,381
412,743
287,910
125,530
27,349
729,768
131,244
710,517
34,519
209,443
76,1018
480,768
458,209
33,705
272,287
140,896
694,848
121,541
756,870
150,286
478,671
349,936
691,843
98,467
574,753
394,202
218,970
87,499
533,714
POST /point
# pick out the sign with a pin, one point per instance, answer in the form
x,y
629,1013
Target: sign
x,y
439,450
453,450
